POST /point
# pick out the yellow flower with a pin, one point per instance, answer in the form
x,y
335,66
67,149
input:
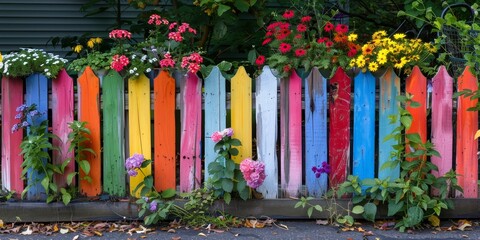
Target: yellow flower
x,y
367,49
91,43
352,63
373,67
399,36
77,48
379,34
98,40
402,63
352,37
360,61
382,59
1,57
430,47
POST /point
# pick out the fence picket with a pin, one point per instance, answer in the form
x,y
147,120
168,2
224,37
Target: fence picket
x,y
113,90
139,125
442,126
241,110
364,126
266,125
36,92
89,111
389,90
416,85
467,145
164,131
12,97
215,112
315,131
62,107
191,125
339,131
291,134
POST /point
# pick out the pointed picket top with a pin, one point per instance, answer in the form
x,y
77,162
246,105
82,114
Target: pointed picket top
x,y
315,131
467,145
215,106
266,122
416,85
241,110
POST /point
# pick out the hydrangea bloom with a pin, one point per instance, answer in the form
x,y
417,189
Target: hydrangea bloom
x,y
218,136
253,172
132,163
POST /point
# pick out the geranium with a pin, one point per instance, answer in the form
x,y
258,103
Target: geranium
x,y
119,62
120,34
398,52
253,172
295,41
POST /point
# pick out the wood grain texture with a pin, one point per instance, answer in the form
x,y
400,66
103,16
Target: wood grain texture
x,y
364,126
215,112
339,131
139,130
241,110
389,90
442,125
113,92
467,145
315,131
36,92
291,135
164,131
12,97
266,122
89,111
191,125
62,109
416,85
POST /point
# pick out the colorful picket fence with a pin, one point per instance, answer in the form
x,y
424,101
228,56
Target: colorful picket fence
x,y
299,123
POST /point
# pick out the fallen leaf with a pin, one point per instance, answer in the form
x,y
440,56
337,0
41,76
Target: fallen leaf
x,y
322,222
463,224
27,232
55,228
202,234
143,230
368,233
76,237
98,233
464,236
434,220
1,223
254,223
63,231
360,229
171,230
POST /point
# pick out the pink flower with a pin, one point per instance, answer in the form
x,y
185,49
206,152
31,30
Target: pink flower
x,y
288,14
329,43
175,36
341,28
253,172
284,47
260,60
155,19
266,41
192,62
322,40
119,62
306,19
216,137
300,52
120,34
328,27
287,68
301,27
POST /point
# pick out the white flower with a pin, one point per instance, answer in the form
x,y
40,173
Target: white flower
x,y
135,69
48,74
46,70
148,70
131,71
25,63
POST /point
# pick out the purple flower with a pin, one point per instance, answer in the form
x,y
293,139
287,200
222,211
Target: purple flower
x,y
132,172
319,170
145,198
227,132
15,127
25,124
21,108
134,161
34,113
19,116
153,206
253,172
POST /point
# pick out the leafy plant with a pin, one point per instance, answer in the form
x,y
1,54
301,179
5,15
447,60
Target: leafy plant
x,y
27,61
78,137
407,197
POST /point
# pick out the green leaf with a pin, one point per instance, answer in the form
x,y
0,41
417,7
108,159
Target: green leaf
x,y
252,56
235,142
414,138
358,209
45,182
414,216
66,198
222,9
227,185
85,166
242,5
318,208
219,30
406,121
310,211
148,181
233,151
370,211
70,177
169,193
225,66
227,197
394,207
298,204
415,104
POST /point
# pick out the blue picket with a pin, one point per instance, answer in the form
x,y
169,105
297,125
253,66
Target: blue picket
x,y
364,126
36,93
315,131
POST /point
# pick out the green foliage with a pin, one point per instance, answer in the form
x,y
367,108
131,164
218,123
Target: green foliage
x,y
407,197
78,138
27,61
96,60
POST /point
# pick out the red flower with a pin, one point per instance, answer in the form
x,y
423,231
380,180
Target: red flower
x,y
268,33
284,25
352,52
282,34
298,36
272,26
284,47
288,14
260,60
300,52
329,43
287,68
322,40
301,27
266,41
306,19
328,27
341,28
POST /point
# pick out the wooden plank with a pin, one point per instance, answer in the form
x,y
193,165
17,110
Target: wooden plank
x,y
442,126
241,110
36,92
339,131
215,112
315,131
416,85
191,121
364,126
89,111
12,97
389,90
467,145
164,131
291,135
62,114
139,125
113,89
266,119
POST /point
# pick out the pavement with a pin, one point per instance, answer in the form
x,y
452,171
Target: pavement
x,y
279,230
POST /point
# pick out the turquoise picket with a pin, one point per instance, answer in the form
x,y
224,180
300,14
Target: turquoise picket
x,y
36,93
315,131
364,126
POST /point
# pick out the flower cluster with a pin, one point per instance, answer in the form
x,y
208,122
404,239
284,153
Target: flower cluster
x,y
89,53
169,43
397,51
318,170
133,163
28,61
119,62
92,43
218,136
120,34
253,172
297,41
23,113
